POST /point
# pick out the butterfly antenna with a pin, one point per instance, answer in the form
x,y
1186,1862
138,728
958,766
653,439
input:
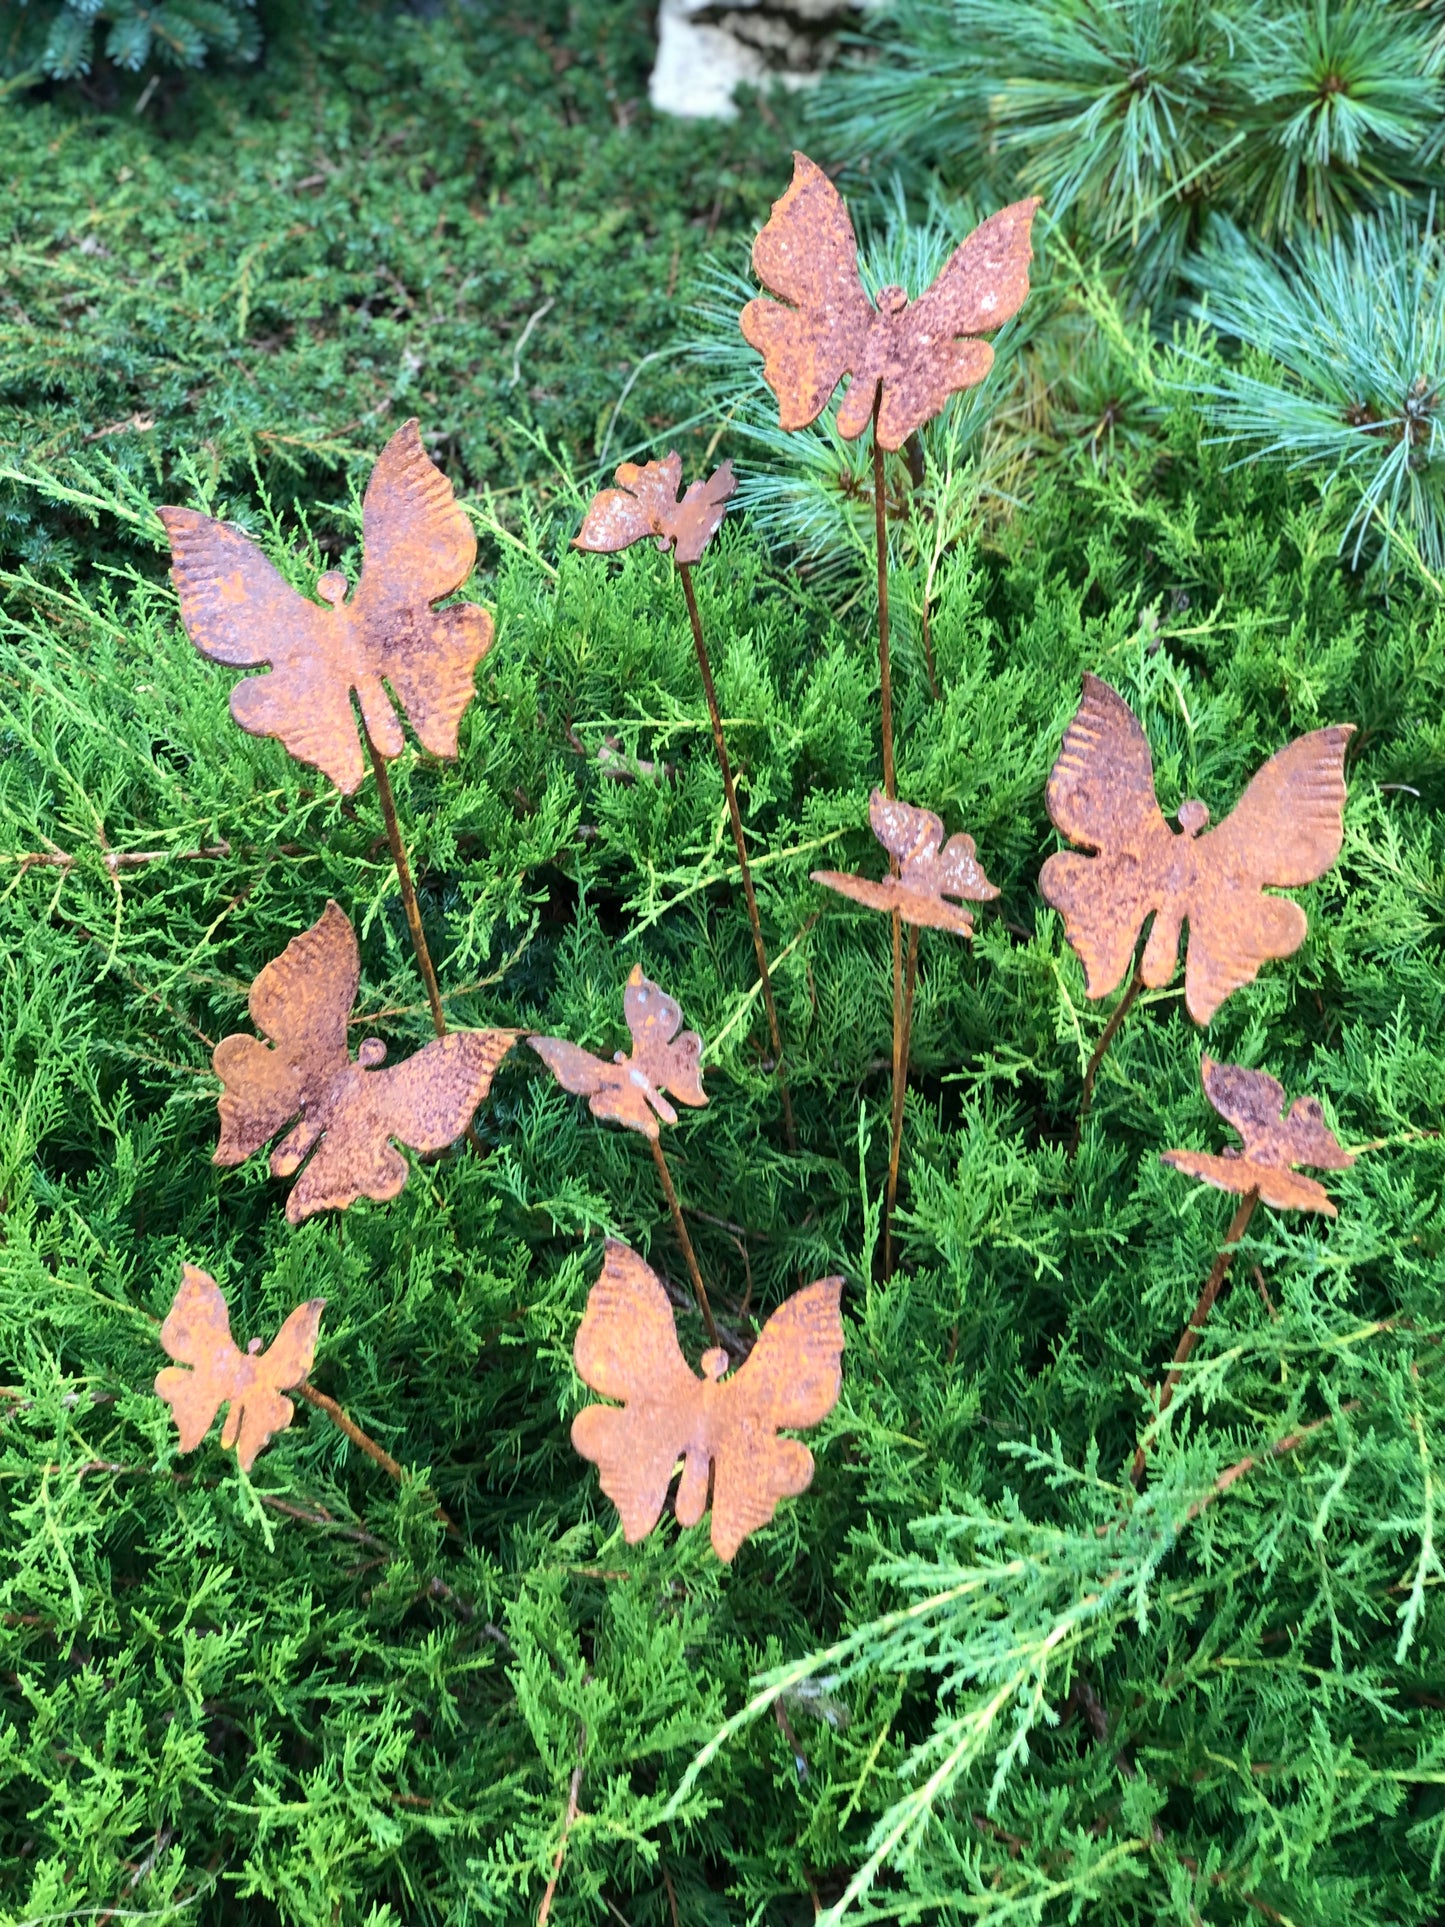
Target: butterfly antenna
x,y
735,816
699,1288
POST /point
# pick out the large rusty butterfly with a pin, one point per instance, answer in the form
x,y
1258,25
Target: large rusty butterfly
x,y
626,1349
1286,830
211,1370
344,1112
629,1090
417,546
1274,1141
920,353
930,870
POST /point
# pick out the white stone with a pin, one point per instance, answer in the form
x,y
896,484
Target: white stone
x,y
705,51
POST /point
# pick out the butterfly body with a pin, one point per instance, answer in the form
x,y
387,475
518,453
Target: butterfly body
x,y
630,1090
383,639
1252,1101
212,1371
723,1428
343,1114
1286,830
908,356
929,870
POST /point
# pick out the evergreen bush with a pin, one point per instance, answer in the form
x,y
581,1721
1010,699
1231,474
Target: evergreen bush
x,y
971,1674
60,38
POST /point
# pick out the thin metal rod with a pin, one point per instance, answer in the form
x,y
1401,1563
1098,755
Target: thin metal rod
x,y
900,1087
362,1440
1119,1013
1189,1337
699,1288
408,889
699,644
890,790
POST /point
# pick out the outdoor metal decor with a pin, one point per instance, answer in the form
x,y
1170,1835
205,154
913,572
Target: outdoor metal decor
x,y
212,1371
823,326
418,546
630,1089
345,1112
1285,831
1274,1141
929,870
645,502
626,1349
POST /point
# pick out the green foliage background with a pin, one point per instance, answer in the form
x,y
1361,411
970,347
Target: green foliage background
x,y
1005,1688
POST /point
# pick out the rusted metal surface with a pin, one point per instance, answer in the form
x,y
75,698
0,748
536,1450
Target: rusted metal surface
x,y
1285,831
627,1349
344,1114
1274,1141
921,352
211,1370
630,1089
417,546
929,870
645,502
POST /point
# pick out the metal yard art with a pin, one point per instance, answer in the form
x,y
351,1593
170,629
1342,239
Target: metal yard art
x,y
344,1113
1275,1140
645,502
905,360
211,1370
724,1428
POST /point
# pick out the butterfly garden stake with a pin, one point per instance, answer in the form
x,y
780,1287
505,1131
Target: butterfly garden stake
x,y
905,359
629,1090
1275,1140
724,1429
344,1113
386,640
1285,831
928,872
645,502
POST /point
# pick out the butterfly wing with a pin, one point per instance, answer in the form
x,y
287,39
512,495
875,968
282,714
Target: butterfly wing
x,y
1283,1190
626,1348
1252,1101
915,905
911,835
640,504
693,522
654,1019
418,546
611,1089
259,1410
238,610
301,1001
807,255
791,1378
1285,831
1101,795
196,1332
983,284
425,1102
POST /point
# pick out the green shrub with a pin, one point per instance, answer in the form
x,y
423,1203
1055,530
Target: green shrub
x,y
60,38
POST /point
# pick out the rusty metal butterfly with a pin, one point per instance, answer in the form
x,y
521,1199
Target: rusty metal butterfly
x,y
1274,1141
929,870
1285,831
418,546
921,353
627,1349
630,1089
345,1113
212,1371
645,503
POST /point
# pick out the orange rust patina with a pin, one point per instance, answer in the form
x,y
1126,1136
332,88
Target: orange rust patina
x,y
918,353
418,546
212,1371
627,1349
929,870
345,1113
645,502
1286,830
630,1089
1274,1141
